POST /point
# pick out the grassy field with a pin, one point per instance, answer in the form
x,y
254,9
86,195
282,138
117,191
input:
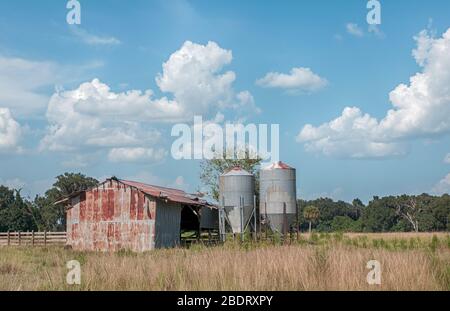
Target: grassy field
x,y
318,262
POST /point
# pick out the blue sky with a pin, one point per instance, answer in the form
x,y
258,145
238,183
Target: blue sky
x,y
359,152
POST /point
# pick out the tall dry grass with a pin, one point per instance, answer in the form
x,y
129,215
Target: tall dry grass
x,y
319,263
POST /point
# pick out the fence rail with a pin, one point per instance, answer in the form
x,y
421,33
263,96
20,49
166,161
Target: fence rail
x,y
32,238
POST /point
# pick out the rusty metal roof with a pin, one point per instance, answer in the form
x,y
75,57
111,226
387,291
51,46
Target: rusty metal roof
x,y
170,194
174,195
277,165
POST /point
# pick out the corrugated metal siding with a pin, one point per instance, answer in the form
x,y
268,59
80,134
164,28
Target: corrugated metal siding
x,y
168,219
112,217
278,191
234,185
209,218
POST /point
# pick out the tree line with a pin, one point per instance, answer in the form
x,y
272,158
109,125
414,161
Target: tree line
x,y
41,213
386,214
420,213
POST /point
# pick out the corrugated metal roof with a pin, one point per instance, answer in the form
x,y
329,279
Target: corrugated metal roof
x,y
277,165
236,171
174,195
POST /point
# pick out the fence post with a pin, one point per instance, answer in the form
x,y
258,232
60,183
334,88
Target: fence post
x,y
32,238
254,218
298,219
9,238
20,239
45,238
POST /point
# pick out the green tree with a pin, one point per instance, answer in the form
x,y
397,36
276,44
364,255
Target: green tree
x,y
53,216
346,224
380,215
212,169
311,214
16,214
358,206
440,210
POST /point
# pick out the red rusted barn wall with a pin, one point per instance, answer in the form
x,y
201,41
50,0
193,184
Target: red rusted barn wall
x,y
112,217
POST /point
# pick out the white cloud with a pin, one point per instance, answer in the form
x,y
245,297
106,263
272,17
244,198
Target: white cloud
x,y
350,135
354,30
23,83
92,39
447,158
136,154
193,74
10,132
420,110
245,105
96,99
299,79
93,116
442,187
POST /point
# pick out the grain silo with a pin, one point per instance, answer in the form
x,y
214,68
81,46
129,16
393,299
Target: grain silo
x,y
237,189
278,198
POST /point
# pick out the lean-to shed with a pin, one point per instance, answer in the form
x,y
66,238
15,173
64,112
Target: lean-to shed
x,y
120,214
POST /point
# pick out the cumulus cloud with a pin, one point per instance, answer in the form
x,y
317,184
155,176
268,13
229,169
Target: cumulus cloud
x,y
93,116
354,30
23,82
350,135
97,100
442,187
136,154
10,132
420,110
91,39
194,76
299,79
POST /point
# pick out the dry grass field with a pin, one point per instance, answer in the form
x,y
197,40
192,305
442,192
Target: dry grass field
x,y
317,262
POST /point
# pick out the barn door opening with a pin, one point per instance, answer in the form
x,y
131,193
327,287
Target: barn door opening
x,y
189,225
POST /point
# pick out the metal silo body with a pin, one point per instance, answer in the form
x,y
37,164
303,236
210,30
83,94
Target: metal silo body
x,y
233,186
278,196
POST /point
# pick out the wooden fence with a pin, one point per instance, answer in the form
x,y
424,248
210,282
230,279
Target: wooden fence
x,y
32,238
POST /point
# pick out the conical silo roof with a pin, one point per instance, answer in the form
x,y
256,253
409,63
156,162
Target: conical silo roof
x,y
237,171
277,166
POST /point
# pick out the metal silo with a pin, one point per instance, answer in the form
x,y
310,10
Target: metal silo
x,y
237,189
278,196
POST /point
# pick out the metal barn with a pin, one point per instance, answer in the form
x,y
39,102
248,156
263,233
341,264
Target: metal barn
x,y
119,214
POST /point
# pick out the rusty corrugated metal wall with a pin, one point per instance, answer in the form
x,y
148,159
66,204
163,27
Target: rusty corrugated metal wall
x,y
112,217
